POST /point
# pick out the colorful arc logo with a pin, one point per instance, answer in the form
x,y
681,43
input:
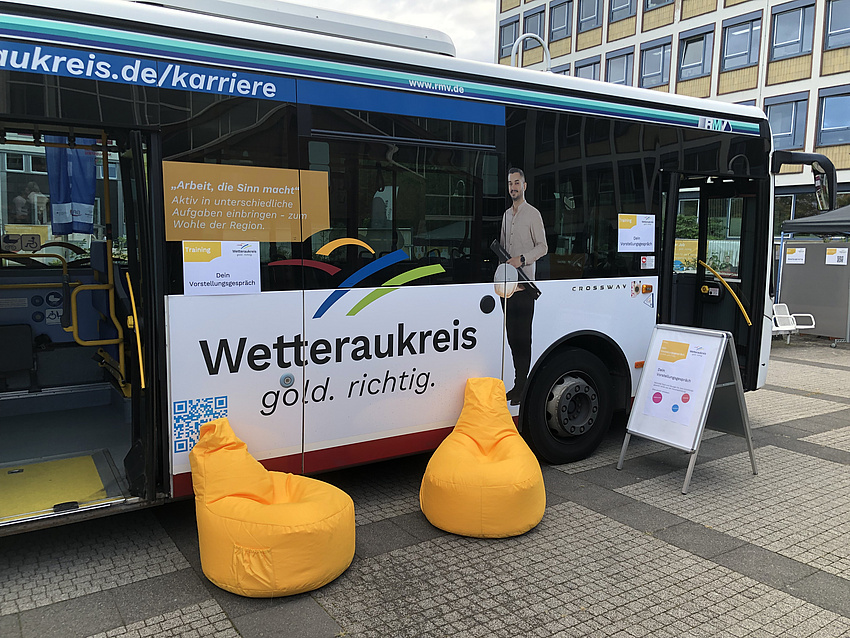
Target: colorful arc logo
x,y
369,269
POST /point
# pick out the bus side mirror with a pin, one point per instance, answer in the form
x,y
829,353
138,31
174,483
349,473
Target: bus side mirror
x,y
822,168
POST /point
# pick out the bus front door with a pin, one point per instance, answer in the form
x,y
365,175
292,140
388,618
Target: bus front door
x,y
70,386
716,248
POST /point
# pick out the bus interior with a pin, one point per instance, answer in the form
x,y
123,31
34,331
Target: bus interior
x,y
69,356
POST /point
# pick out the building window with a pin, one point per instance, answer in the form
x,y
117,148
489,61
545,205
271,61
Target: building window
x,y
793,32
649,5
834,126
533,23
787,117
741,44
618,68
622,9
655,65
589,15
838,24
563,69
696,56
560,17
588,69
508,33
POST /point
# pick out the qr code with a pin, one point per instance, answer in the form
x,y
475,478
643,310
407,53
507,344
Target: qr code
x,y
190,415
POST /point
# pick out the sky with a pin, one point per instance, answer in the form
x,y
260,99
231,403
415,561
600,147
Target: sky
x,y
470,23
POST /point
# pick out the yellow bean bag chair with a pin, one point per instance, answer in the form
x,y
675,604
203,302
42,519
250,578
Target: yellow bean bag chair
x,y
262,533
483,480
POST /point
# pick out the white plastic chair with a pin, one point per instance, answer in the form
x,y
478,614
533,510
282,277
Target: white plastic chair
x,y
787,324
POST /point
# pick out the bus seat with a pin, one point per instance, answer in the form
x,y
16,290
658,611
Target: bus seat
x,y
99,262
100,298
17,354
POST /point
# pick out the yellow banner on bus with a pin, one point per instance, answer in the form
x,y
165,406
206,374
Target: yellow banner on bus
x,y
220,202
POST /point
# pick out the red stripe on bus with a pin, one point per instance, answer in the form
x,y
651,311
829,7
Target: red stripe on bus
x,y
370,451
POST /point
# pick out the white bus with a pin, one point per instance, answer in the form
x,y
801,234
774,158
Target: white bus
x,y
285,216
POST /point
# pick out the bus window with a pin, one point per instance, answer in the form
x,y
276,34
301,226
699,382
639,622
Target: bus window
x,y
411,184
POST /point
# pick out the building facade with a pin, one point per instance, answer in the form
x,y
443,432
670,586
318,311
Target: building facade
x,y
789,58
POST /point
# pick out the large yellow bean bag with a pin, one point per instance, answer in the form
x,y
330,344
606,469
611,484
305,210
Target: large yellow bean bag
x,y
483,480
264,533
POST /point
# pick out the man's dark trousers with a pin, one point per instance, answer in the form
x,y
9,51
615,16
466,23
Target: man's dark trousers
x,y
518,324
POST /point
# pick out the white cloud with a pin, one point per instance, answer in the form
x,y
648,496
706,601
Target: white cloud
x,y
470,23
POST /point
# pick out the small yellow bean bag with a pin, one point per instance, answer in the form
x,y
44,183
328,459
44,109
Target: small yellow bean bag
x,y
262,533
483,480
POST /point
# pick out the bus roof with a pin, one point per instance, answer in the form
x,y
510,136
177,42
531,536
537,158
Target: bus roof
x,y
138,15
321,21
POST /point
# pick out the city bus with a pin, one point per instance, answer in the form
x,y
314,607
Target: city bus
x,y
286,218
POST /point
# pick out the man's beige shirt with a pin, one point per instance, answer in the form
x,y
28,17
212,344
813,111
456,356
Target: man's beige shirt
x,y
523,234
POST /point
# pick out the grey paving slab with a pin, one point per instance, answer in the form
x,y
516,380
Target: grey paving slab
x,y
299,616
809,522
838,439
577,573
610,478
418,526
10,626
80,616
178,521
698,539
765,566
644,518
380,537
235,606
64,563
579,489
813,449
382,490
812,349
166,593
608,452
193,621
832,592
768,407
814,379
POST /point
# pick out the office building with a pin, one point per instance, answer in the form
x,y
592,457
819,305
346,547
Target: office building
x,y
789,58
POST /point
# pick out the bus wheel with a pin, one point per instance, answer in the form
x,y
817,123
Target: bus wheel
x,y
568,407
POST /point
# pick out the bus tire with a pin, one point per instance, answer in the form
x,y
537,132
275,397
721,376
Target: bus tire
x,y
569,407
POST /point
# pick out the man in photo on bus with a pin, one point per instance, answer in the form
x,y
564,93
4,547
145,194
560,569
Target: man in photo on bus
x,y
524,238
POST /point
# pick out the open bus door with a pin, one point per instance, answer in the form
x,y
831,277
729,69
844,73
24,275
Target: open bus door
x,y
71,395
142,464
714,262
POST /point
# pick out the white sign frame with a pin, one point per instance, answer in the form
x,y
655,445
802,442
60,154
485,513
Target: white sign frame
x,y
717,394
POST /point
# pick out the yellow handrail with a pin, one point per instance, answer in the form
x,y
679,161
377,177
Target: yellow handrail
x,y
731,292
136,329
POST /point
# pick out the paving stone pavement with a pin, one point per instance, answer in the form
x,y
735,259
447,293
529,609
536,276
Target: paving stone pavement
x,y
618,554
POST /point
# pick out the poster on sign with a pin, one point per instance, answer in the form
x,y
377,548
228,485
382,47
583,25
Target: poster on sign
x,y
795,255
675,386
836,256
636,233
